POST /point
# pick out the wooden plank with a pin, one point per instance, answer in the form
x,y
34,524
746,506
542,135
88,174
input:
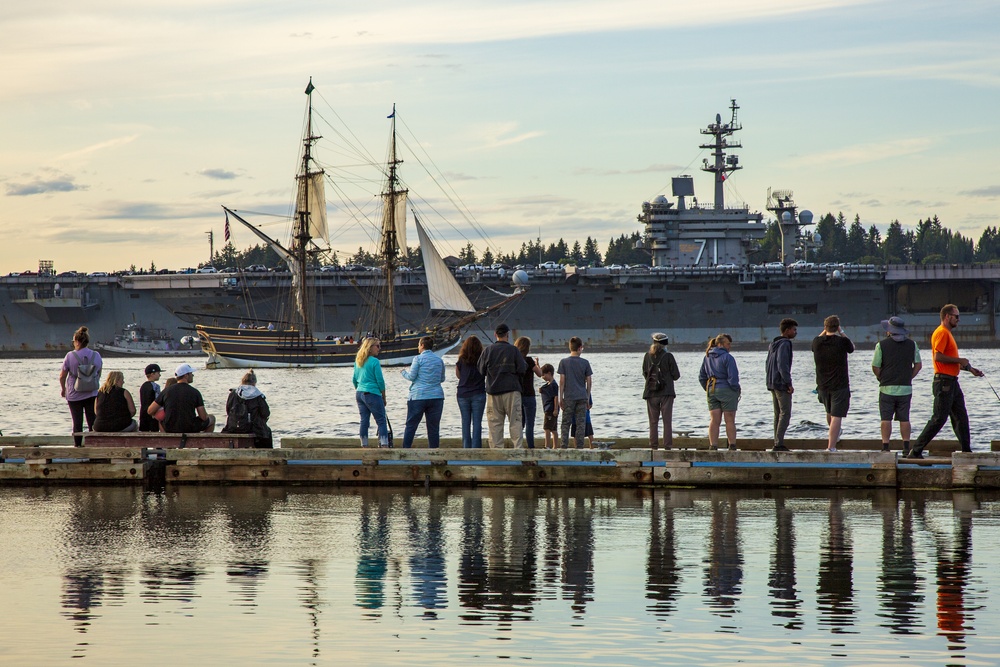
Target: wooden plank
x,y
76,472
417,455
49,453
36,441
169,440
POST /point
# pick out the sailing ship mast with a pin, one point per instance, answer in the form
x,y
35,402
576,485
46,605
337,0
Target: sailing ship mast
x,y
393,234
307,196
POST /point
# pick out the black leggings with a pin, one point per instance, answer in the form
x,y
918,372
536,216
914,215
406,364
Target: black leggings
x,y
77,409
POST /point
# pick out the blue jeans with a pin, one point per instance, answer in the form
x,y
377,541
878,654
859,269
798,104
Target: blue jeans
x,y
528,408
472,408
372,405
431,408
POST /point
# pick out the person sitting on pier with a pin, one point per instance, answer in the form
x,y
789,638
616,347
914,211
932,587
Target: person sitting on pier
x,y
147,394
183,406
115,408
247,412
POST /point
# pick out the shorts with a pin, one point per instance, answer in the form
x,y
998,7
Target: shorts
x,y
588,430
894,406
550,422
724,398
836,402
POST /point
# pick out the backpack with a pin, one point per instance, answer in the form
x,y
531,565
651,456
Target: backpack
x,y
654,377
87,377
237,415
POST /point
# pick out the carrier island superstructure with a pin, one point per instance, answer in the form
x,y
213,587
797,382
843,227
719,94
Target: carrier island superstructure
x,y
705,276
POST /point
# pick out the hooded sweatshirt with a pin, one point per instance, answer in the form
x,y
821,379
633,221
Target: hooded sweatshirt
x,y
721,365
778,367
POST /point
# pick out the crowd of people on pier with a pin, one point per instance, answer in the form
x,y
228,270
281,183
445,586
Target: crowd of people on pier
x,y
498,380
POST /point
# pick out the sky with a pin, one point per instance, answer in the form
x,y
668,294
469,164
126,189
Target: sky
x,y
128,124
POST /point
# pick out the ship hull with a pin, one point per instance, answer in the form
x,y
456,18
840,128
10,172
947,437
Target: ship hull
x,y
609,311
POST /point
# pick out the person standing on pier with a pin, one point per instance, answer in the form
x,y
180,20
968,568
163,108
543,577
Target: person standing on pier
x,y
659,368
79,379
369,385
471,392
778,375
833,385
720,378
426,400
529,404
949,401
895,363
575,382
502,365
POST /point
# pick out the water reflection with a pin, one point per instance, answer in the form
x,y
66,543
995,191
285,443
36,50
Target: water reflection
x,y
681,561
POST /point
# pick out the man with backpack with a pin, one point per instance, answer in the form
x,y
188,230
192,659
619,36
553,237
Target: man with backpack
x,y
778,371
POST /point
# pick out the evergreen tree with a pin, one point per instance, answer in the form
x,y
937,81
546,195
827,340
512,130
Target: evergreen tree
x,y
576,254
591,252
488,258
467,255
856,241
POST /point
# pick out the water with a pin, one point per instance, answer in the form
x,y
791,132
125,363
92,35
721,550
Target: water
x,y
306,576
320,402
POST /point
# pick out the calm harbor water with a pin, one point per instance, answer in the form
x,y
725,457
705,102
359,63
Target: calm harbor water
x,y
308,576
320,402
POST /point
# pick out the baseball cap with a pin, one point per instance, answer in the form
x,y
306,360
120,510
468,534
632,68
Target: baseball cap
x,y
502,329
183,370
153,368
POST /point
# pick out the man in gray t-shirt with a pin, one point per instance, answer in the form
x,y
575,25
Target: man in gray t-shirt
x,y
575,379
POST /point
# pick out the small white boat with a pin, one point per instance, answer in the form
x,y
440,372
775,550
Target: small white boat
x,y
135,340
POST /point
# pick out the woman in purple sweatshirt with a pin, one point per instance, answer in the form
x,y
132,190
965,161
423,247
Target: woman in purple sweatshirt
x,y
720,378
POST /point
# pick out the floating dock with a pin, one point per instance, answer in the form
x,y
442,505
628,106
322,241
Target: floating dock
x,y
858,464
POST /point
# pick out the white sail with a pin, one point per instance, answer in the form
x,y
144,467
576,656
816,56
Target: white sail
x,y
444,291
316,206
398,219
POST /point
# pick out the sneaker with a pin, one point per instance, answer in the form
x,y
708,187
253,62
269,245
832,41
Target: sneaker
x,y
831,449
779,448
731,447
712,448
885,446
914,454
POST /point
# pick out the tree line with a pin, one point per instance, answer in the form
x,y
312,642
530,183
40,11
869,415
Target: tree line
x,y
929,242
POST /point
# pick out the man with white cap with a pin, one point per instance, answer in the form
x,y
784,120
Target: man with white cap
x,y
183,406
895,363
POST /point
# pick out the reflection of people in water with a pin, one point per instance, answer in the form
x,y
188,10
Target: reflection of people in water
x,y
662,571
427,566
578,553
472,586
724,565
786,603
373,549
953,614
898,582
835,580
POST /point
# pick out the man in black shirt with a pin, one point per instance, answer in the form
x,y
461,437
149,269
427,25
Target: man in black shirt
x,y
830,350
502,365
183,406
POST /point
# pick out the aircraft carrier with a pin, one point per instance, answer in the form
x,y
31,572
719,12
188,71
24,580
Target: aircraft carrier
x,y
701,280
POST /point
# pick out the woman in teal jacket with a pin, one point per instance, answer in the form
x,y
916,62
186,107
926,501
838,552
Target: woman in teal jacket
x,y
370,386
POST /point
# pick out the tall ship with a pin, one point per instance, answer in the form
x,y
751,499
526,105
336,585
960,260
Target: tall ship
x,y
705,276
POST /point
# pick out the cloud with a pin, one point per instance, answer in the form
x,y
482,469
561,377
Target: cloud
x,y
219,174
651,169
864,153
988,191
93,148
498,135
40,186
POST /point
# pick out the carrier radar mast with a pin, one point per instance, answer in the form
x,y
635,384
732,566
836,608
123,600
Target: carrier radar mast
x,y
723,164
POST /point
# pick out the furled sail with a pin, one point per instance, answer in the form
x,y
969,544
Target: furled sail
x,y
311,187
394,217
444,291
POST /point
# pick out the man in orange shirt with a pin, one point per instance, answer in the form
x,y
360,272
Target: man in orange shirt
x,y
949,401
